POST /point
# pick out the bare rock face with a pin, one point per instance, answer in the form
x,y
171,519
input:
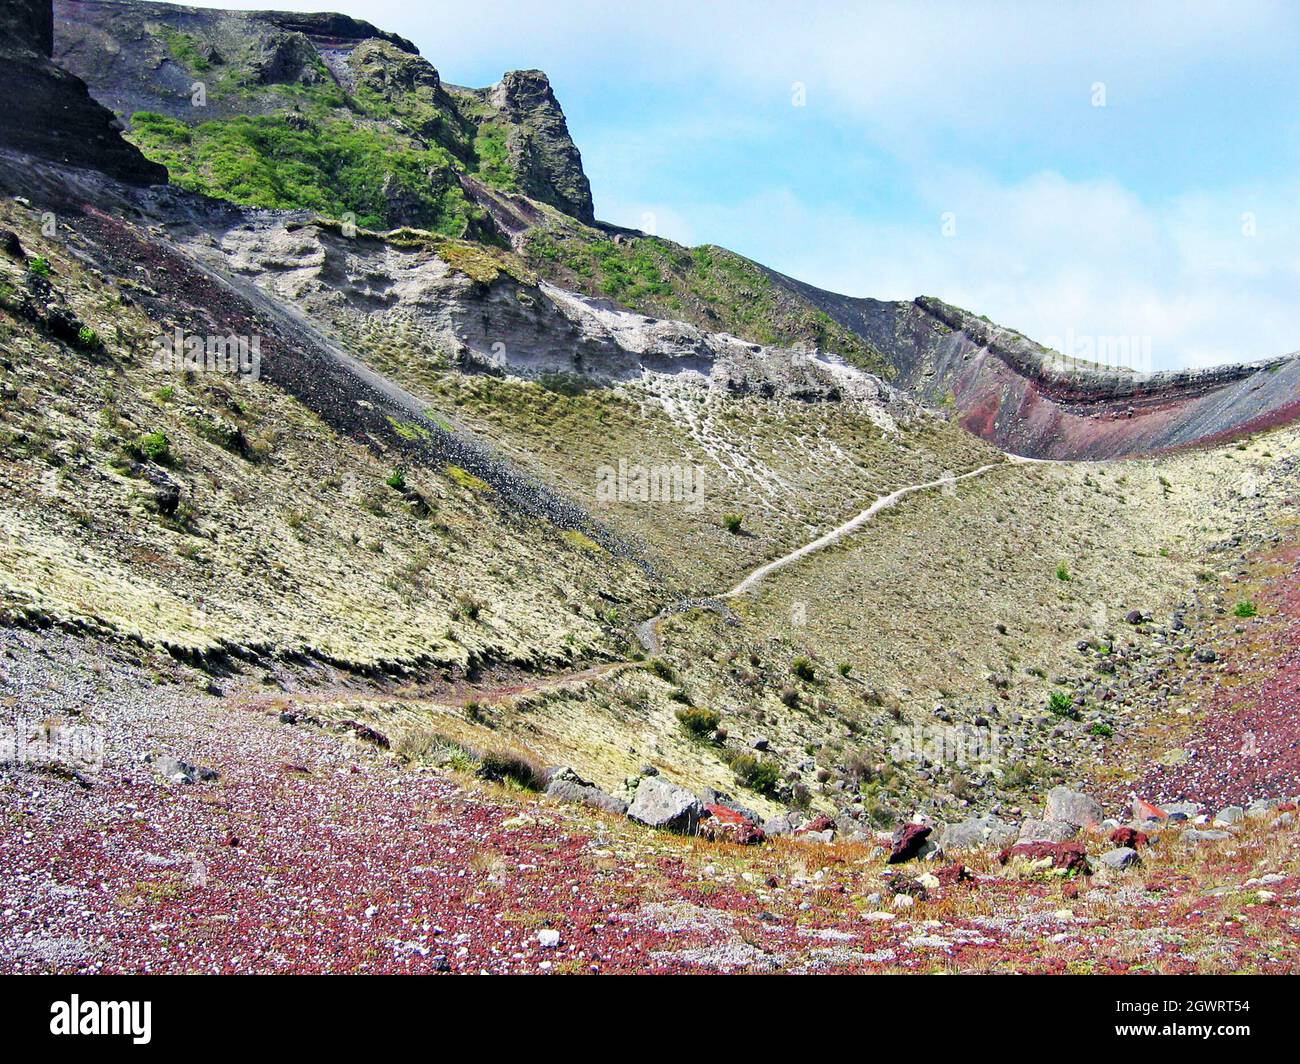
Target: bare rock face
x,y
48,112
288,59
547,161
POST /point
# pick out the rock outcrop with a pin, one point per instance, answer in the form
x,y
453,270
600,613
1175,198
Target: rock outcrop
x,y
48,112
545,157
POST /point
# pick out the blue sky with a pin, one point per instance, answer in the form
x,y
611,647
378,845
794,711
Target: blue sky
x,y
1074,171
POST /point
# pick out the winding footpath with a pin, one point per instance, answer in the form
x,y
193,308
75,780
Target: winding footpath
x,y
850,526
647,632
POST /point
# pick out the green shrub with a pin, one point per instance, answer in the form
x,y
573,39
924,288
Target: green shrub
x,y
732,522
844,669
1017,776
757,773
1063,572
1245,608
397,479
699,722
1062,705
151,447
803,668
87,338
39,266
1102,729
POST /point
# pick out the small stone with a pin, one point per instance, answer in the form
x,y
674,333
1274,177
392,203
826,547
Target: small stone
x,y
548,939
1121,858
1234,814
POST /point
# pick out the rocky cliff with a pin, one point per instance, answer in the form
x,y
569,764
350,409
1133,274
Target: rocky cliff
x,y
48,112
278,109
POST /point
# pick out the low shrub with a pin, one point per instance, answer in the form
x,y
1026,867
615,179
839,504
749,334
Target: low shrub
x,y
510,766
1062,705
758,774
699,722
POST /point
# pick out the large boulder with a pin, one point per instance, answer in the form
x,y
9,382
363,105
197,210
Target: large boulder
x,y
1067,858
660,804
1073,807
976,833
1120,858
725,824
1196,836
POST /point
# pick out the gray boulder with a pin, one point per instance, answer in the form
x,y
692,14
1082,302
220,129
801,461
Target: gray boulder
x,y
977,832
783,824
664,805
1047,831
1073,807
1121,858
178,771
1195,836
1234,814
568,786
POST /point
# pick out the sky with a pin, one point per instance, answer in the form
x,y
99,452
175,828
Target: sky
x,y
1084,173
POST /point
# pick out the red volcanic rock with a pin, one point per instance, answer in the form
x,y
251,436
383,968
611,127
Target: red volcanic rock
x,y
952,874
1146,811
726,825
1130,837
908,841
1070,856
819,823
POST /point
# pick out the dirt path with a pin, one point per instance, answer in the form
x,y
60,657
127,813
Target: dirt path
x,y
852,525
647,632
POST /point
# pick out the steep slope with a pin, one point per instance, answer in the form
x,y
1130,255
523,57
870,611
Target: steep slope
x,y
48,111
